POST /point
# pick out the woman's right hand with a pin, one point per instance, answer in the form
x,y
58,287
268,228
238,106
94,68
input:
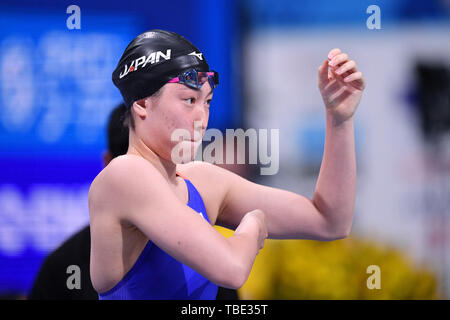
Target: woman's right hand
x,y
255,216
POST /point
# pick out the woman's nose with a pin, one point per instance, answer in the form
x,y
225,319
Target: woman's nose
x,y
201,115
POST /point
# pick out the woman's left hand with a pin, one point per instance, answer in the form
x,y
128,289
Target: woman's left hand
x,y
341,85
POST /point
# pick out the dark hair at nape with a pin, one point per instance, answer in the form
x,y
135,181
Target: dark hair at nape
x,y
128,120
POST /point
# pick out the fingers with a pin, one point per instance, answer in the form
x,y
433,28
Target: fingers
x,y
348,66
338,67
353,77
345,70
357,80
338,59
333,53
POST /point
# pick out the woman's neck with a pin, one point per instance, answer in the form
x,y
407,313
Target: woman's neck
x,y
138,147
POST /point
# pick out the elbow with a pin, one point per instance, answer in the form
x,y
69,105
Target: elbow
x,y
235,277
338,231
236,283
340,234
240,279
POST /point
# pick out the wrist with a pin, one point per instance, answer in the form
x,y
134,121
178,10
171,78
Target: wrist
x,y
338,121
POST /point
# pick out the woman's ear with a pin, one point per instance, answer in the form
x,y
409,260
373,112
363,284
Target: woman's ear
x,y
140,107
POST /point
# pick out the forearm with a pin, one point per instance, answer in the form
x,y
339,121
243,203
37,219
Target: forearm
x,y
244,245
335,191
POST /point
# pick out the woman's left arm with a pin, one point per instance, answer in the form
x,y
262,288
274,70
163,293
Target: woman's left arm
x,y
341,86
328,216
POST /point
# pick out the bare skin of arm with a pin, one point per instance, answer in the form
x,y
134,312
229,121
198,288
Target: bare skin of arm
x,y
329,214
149,204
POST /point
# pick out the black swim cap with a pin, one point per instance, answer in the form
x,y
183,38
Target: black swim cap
x,y
151,60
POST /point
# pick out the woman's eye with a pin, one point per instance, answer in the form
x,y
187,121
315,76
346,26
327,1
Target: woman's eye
x,y
208,102
190,100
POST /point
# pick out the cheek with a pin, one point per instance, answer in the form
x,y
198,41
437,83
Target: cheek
x,y
173,120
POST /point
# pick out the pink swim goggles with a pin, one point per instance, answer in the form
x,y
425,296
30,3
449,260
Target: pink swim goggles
x,y
195,79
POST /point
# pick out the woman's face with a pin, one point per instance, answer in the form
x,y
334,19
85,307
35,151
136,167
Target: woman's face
x,y
177,107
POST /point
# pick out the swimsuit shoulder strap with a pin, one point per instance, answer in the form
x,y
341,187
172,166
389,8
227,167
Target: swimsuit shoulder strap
x,y
179,174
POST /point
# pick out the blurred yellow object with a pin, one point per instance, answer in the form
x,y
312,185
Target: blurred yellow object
x,y
224,231
306,269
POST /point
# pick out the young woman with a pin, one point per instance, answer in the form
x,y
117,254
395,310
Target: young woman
x,y
151,218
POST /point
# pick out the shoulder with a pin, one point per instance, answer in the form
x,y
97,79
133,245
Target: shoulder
x,y
126,173
206,175
123,169
203,170
123,166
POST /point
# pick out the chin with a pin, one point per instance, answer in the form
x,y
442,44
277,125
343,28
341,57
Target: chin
x,y
186,157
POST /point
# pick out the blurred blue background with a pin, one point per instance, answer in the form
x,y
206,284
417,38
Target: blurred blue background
x,y
56,94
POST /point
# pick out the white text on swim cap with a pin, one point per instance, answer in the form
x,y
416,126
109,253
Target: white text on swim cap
x,y
141,62
198,55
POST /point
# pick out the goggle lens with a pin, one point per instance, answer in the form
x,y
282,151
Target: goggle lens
x,y
196,79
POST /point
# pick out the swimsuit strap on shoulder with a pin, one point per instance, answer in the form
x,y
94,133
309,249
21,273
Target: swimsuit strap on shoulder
x,y
179,174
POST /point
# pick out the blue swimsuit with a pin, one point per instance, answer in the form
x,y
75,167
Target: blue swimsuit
x,y
156,275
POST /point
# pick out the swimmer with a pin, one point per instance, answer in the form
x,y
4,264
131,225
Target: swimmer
x,y
151,219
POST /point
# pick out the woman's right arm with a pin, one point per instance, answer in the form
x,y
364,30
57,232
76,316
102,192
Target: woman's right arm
x,y
143,198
